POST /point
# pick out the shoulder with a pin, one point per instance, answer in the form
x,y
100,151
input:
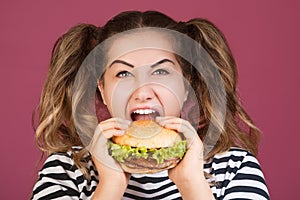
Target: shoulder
x,y
60,162
232,161
60,177
237,171
234,157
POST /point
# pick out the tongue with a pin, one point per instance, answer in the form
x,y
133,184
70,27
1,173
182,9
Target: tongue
x,y
136,117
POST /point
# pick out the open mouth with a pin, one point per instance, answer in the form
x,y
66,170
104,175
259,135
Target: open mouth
x,y
144,114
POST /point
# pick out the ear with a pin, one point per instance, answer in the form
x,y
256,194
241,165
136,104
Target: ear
x,y
101,89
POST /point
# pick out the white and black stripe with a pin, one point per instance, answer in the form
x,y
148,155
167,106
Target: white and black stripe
x,y
156,186
237,175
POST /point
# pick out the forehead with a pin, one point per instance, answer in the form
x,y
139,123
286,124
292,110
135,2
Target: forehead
x,y
139,40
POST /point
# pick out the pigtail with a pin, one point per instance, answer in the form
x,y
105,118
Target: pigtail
x,y
56,130
238,129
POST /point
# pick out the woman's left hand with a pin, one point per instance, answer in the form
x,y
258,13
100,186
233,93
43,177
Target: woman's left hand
x,y
188,175
192,162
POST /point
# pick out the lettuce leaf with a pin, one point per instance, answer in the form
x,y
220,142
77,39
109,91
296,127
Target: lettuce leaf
x,y
121,152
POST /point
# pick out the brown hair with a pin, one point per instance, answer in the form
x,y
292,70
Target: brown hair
x,y
56,131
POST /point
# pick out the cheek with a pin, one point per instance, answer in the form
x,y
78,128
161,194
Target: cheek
x,y
117,95
171,100
174,87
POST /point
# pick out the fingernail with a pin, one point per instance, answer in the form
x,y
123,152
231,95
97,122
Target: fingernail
x,y
159,118
162,123
120,132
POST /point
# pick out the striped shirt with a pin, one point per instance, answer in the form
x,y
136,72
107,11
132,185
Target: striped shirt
x,y
237,175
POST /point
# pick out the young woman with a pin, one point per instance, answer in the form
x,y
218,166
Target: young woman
x,y
144,67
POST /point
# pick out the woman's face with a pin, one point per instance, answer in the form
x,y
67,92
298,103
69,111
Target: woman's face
x,y
143,84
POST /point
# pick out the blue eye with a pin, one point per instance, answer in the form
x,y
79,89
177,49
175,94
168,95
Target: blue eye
x,y
123,74
160,72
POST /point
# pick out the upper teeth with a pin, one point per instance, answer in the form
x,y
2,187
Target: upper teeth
x,y
144,111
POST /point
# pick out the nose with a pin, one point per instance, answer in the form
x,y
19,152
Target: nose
x,y
143,94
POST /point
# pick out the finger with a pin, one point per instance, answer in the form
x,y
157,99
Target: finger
x,y
181,126
118,120
100,153
188,132
163,119
107,134
116,123
107,130
111,127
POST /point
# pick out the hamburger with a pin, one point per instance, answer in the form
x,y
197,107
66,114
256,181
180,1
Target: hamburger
x,y
146,147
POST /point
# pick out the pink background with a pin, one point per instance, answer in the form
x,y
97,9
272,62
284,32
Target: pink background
x,y
264,37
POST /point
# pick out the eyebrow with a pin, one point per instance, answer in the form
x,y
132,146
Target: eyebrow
x,y
122,62
161,62
132,66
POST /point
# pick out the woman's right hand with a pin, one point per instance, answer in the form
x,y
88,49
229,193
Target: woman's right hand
x,y
112,180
